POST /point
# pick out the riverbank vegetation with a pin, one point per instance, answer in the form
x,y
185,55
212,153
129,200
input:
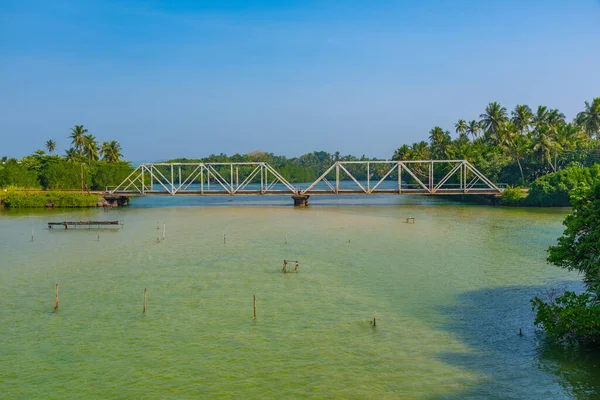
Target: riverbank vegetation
x,y
19,198
86,165
576,317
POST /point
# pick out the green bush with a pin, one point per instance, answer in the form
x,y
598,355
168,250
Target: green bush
x,y
512,196
16,199
570,317
554,189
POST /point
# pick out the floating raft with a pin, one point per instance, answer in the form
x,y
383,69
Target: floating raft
x,y
67,224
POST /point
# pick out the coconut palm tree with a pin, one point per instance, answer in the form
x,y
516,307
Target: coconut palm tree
x,y
544,145
77,137
473,129
441,143
111,151
492,120
403,153
589,119
71,155
521,117
518,148
50,146
90,148
540,118
461,126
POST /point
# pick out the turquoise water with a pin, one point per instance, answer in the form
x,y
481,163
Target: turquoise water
x,y
449,292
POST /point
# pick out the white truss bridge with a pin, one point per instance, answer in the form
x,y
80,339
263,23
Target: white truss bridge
x,y
415,177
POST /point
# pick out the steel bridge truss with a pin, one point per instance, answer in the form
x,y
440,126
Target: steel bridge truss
x,y
395,177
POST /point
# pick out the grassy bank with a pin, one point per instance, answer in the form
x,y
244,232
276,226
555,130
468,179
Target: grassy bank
x,y
43,199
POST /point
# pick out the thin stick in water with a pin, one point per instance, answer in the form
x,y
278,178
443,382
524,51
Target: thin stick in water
x,y
144,310
56,301
224,238
164,229
32,233
254,306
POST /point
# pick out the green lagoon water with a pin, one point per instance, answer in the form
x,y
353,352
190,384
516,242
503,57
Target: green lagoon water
x,y
449,292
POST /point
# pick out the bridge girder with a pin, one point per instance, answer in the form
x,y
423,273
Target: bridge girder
x,y
420,177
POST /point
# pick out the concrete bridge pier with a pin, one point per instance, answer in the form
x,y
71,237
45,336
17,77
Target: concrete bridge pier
x,y
300,200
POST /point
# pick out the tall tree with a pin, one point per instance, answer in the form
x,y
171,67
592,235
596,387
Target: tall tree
x,y
441,143
461,126
518,149
521,117
111,151
492,120
50,146
90,148
544,145
540,118
403,153
77,137
589,119
473,129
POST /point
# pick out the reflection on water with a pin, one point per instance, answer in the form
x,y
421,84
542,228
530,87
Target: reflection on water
x,y
450,293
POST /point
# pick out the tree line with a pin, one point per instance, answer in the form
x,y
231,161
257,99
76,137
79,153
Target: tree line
x,y
516,148
85,165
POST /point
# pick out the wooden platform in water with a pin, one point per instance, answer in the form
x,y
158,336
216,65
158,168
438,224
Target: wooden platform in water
x,y
89,224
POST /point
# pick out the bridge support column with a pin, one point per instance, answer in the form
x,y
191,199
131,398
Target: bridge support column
x,y
300,200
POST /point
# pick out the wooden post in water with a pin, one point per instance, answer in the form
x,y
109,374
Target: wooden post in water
x,y
164,229
56,301
374,322
144,310
224,238
255,307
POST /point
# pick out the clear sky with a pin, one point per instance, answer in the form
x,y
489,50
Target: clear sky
x,y
175,78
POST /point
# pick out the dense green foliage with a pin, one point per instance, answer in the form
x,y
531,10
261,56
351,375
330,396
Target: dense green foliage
x,y
80,168
516,149
24,199
554,189
572,316
54,172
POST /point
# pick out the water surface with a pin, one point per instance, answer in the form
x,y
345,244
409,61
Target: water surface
x,y
449,292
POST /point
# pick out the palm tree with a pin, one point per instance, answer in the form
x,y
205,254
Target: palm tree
x,y
540,118
50,146
521,117
518,148
71,155
403,153
492,120
543,145
77,137
90,148
589,119
461,126
111,151
473,128
441,143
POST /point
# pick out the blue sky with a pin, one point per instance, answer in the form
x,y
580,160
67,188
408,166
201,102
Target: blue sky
x,y
170,78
